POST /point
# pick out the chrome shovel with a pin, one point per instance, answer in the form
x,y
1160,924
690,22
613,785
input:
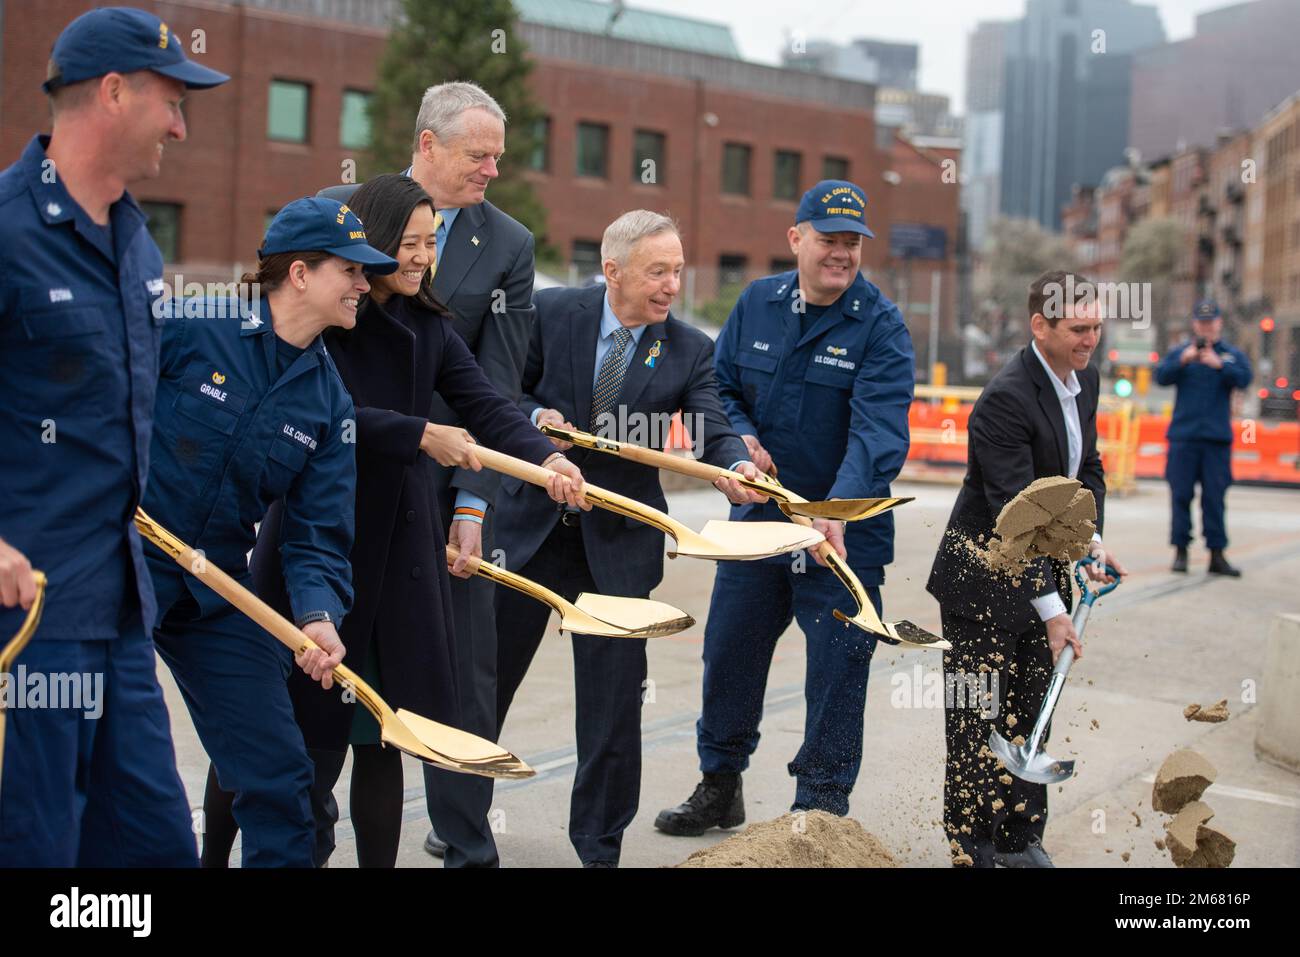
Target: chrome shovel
x,y
1026,761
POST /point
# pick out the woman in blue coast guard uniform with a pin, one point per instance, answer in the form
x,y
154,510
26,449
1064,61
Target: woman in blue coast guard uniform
x,y
251,410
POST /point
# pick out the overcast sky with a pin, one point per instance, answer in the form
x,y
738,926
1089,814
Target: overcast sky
x,y
761,27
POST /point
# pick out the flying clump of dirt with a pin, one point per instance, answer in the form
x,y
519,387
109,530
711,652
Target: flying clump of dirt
x,y
1213,714
1178,787
799,839
1052,517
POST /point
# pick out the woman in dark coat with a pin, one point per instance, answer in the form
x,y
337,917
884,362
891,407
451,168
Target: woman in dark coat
x,y
398,633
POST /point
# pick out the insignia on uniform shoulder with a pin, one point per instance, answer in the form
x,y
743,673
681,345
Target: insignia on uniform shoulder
x,y
218,378
655,351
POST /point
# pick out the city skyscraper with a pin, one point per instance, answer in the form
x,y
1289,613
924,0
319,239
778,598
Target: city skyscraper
x,y
1066,96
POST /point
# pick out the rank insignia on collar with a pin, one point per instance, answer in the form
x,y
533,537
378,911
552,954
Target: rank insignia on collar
x,y
53,209
655,351
855,305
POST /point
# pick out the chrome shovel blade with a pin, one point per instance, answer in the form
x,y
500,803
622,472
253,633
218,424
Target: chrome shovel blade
x,y
1040,768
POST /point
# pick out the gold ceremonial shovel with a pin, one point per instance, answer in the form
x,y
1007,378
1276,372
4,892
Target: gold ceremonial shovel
x,y
437,744
605,615
15,648
739,541
902,632
843,509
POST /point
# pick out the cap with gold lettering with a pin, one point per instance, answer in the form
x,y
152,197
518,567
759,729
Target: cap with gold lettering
x,y
123,40
834,206
317,223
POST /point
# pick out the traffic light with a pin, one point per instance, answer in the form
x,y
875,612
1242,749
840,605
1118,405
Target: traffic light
x,y
1266,336
1123,388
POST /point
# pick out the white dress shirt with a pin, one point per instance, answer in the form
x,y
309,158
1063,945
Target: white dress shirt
x,y
1051,605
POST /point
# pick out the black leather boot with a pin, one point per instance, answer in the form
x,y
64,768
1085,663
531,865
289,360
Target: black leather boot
x,y
1180,560
718,801
1219,565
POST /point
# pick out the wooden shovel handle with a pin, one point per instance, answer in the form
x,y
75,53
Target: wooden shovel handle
x,y
536,475
472,562
662,460
509,465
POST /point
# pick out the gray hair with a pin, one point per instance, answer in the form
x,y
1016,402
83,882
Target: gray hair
x,y
443,105
629,229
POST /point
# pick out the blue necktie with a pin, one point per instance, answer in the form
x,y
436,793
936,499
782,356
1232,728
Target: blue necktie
x,y
610,379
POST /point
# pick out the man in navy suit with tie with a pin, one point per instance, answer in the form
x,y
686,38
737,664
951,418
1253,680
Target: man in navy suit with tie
x,y
612,360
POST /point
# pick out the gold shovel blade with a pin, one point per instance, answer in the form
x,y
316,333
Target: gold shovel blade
x,y
843,509
625,617
430,741
744,541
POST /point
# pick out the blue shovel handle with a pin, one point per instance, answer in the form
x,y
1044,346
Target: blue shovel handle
x,y
1087,595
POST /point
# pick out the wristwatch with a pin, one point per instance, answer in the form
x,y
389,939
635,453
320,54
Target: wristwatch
x,y
314,616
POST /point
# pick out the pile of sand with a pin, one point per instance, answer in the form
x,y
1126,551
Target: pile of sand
x,y
1213,714
1191,842
1052,517
801,839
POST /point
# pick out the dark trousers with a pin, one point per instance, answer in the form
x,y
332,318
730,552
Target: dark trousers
x,y
88,789
609,676
752,605
1210,465
458,804
233,678
982,812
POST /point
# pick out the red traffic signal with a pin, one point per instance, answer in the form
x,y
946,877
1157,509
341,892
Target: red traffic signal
x,y
1266,324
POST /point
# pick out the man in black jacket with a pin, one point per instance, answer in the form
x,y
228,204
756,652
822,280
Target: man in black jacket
x,y
1036,418
484,275
609,359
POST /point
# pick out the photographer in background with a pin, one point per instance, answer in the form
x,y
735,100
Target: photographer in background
x,y
1204,370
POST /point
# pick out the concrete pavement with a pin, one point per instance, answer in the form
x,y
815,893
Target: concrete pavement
x,y
1157,644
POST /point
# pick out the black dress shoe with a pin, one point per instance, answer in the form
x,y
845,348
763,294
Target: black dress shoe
x,y
1219,565
718,801
434,844
1180,560
600,864
1031,856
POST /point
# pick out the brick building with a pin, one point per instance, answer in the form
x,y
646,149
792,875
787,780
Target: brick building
x,y
733,144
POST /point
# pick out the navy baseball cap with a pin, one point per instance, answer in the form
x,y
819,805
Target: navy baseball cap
x,y
324,225
834,206
123,40
1205,310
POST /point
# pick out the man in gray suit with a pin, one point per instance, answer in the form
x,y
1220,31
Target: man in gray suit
x,y
484,274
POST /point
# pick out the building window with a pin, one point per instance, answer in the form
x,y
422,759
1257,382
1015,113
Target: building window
x,y
781,265
648,148
165,228
835,167
785,175
735,169
354,120
593,150
539,158
586,259
731,270
286,113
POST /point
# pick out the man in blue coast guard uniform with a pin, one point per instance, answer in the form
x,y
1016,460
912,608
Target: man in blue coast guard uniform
x,y
1205,370
815,369
78,365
